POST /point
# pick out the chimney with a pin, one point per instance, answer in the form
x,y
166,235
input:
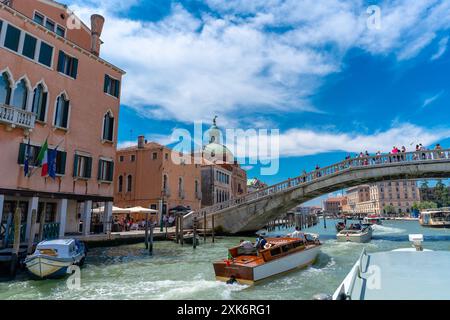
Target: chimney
x,y
97,22
141,142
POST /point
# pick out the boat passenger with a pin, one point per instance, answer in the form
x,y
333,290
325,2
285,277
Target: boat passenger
x,y
262,243
247,247
297,233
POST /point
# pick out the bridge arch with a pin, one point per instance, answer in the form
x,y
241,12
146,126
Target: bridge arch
x,y
252,211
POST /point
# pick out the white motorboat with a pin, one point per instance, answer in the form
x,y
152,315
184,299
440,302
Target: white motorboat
x,y
357,233
372,220
401,274
52,258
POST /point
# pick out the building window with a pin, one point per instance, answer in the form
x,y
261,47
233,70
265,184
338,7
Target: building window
x,y
38,18
46,54
50,25
112,86
121,158
108,127
33,152
67,65
82,167
154,155
12,38
5,89
133,158
62,112
39,102
20,96
105,170
120,183
166,156
129,182
29,46
60,31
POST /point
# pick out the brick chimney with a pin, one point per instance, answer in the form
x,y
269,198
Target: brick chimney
x,y
141,142
97,22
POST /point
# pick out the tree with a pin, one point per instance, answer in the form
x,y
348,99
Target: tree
x,y
424,205
388,209
442,196
424,184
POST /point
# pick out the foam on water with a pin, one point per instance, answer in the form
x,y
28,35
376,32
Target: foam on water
x,y
382,230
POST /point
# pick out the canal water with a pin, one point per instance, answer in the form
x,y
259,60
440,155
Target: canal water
x,y
176,272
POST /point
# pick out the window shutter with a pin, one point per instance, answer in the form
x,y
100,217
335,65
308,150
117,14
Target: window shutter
x,y
22,148
61,61
75,68
75,166
99,174
62,166
105,88
117,88
88,167
66,113
41,115
111,171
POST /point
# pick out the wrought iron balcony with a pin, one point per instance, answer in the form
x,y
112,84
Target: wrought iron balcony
x,y
15,117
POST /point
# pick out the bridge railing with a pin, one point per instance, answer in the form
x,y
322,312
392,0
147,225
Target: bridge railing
x,y
345,165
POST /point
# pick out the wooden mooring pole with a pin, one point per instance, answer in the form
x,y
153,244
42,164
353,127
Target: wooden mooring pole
x,y
324,221
194,240
146,231
204,227
212,228
181,231
41,224
150,250
16,244
32,231
177,227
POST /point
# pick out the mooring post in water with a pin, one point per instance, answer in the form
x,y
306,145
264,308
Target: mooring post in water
x,y
150,250
32,231
204,227
181,231
324,221
194,241
41,224
16,244
9,222
177,227
212,227
146,230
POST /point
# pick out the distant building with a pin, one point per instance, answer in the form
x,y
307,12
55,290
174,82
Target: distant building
x,y
429,194
334,205
308,210
374,198
222,177
154,176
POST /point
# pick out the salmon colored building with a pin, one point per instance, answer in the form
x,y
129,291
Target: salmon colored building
x,y
55,87
153,176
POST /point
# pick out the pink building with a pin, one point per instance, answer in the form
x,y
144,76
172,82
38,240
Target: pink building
x,y
54,86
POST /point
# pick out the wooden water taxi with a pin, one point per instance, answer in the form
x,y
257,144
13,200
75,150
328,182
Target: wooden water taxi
x,y
279,255
435,218
373,219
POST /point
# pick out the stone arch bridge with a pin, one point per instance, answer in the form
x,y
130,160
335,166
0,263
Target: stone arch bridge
x,y
254,210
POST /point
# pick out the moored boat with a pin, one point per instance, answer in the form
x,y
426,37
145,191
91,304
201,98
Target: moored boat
x,y
355,233
278,256
435,218
340,226
401,274
52,258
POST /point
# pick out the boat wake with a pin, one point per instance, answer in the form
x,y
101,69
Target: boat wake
x,y
382,230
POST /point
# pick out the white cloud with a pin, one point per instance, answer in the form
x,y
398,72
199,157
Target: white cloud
x,y
431,99
188,68
441,50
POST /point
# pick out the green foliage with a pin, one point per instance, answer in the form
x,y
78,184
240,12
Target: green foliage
x,y
424,205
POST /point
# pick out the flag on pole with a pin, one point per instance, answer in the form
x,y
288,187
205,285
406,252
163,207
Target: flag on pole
x,y
42,158
26,167
52,163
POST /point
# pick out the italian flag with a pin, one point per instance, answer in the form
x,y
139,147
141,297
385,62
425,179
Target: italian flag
x,y
42,158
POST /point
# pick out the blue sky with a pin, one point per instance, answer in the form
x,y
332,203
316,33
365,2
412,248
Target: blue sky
x,y
312,69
